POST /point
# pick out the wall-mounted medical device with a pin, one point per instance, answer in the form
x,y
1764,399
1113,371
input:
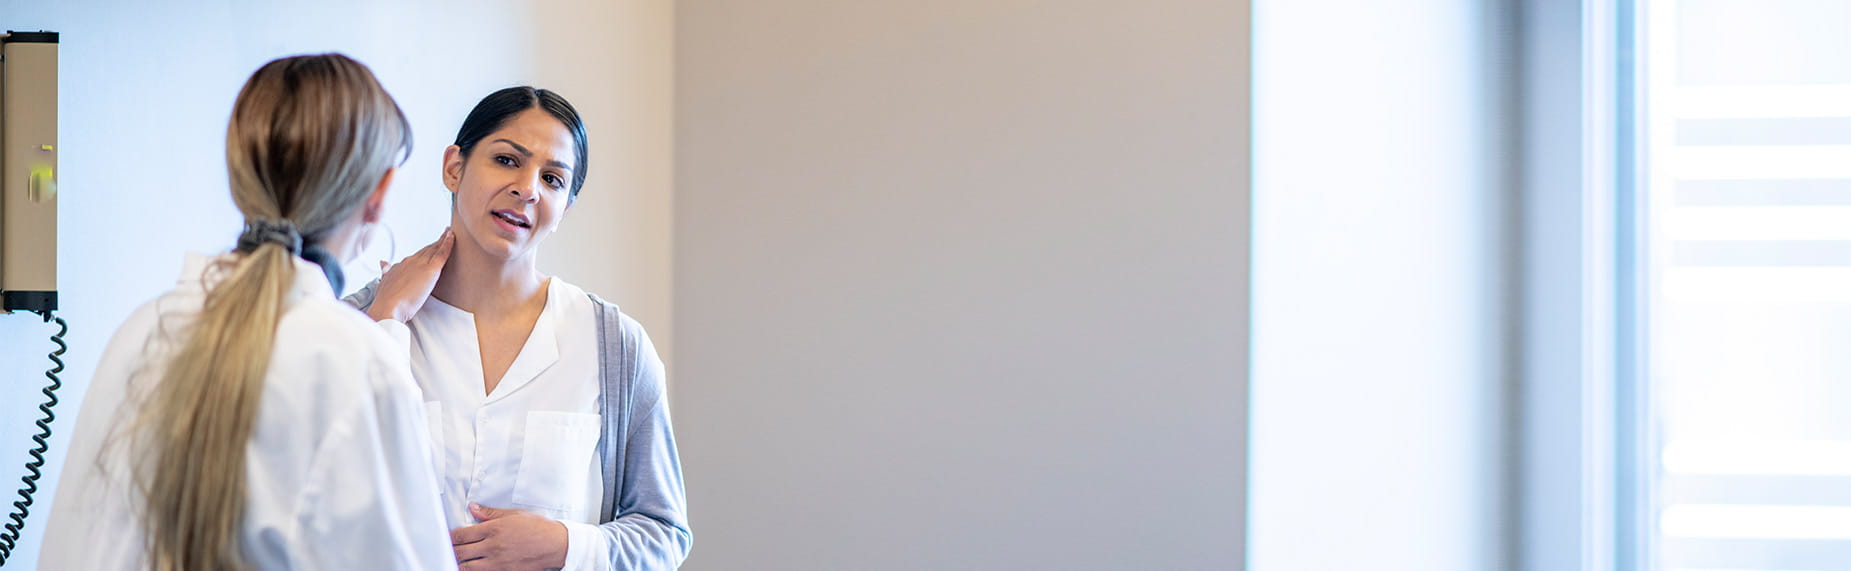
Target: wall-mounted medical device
x,y
29,171
29,224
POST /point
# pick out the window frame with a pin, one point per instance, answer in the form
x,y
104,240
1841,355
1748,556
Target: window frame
x,y
1587,461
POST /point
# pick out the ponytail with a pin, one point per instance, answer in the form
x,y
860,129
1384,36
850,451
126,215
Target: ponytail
x,y
207,404
310,137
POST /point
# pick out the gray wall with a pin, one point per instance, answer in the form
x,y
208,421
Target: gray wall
x,y
962,284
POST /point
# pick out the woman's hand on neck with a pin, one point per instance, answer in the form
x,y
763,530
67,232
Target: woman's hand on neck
x,y
479,283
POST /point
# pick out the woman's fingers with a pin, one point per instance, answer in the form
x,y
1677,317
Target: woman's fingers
x,y
404,287
477,565
439,249
439,252
468,534
447,243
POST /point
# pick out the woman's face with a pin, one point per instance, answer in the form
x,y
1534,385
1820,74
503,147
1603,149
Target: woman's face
x,y
514,187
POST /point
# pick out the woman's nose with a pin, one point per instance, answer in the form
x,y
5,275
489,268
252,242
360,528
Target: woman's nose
x,y
525,189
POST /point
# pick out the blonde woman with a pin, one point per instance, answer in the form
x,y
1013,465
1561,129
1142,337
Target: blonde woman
x,y
247,419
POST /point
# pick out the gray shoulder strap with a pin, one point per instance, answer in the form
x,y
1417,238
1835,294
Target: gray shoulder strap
x,y
616,373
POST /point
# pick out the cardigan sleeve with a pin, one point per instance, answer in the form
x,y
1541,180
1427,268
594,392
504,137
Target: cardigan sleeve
x,y
650,530
364,298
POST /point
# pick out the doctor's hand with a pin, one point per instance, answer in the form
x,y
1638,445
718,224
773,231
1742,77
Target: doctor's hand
x,y
404,286
509,539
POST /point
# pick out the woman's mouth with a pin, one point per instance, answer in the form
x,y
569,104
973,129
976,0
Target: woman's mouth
x,y
514,220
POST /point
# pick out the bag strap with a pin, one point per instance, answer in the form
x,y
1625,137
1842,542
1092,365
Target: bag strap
x,y
616,376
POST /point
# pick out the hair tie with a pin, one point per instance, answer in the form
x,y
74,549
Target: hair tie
x,y
270,231
267,231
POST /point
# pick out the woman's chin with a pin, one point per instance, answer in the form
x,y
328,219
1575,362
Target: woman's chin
x,y
499,244
506,251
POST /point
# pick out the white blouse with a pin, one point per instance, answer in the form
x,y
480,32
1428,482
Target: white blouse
x,y
532,444
335,468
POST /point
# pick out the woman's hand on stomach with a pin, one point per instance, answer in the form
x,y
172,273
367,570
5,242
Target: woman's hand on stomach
x,y
509,539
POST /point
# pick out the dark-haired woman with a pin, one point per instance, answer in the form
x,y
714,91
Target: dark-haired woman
x,y
547,406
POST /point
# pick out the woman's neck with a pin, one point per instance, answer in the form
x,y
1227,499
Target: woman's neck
x,y
480,284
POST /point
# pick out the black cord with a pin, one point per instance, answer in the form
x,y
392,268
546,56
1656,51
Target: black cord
x,y
22,507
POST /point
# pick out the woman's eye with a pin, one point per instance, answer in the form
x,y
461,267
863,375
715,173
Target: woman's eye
x,y
553,180
504,160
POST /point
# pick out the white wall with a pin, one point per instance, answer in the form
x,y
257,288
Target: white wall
x,y
962,284
147,87
1379,337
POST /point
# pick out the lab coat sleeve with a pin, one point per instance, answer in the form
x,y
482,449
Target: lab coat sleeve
x,y
363,299
374,490
651,529
400,334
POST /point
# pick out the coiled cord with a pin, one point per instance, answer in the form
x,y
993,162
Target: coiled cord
x,y
22,508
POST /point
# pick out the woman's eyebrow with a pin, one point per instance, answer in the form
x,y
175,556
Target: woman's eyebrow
x,y
526,153
517,147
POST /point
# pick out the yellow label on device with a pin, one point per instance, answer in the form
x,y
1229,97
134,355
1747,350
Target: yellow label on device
x,y
40,184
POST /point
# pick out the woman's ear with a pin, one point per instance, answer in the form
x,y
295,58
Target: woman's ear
x,y
453,168
376,202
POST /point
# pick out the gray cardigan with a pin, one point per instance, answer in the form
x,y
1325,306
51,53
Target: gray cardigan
x,y
644,513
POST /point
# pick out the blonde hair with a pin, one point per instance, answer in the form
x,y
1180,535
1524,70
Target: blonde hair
x,y
310,138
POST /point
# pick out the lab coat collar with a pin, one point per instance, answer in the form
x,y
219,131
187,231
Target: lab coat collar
x,y
309,281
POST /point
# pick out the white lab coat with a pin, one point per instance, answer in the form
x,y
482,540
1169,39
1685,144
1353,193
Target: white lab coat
x,y
338,468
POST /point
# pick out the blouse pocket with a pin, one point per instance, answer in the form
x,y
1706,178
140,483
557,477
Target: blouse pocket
x,y
558,452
